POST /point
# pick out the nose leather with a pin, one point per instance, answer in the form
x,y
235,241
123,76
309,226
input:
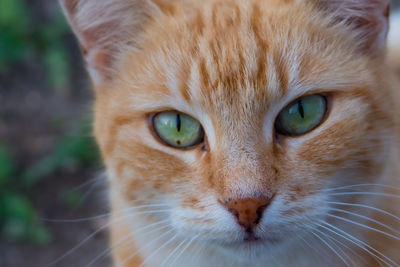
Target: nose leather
x,y
248,212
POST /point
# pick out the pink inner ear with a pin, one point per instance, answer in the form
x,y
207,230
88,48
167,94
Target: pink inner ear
x,y
70,5
103,26
368,17
99,63
373,31
99,51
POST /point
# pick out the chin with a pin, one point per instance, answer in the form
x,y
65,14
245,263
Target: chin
x,y
254,249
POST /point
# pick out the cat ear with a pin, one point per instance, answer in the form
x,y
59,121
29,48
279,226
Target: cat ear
x,y
368,18
104,27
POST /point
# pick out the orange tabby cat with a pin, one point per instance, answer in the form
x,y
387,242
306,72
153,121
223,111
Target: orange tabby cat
x,y
245,132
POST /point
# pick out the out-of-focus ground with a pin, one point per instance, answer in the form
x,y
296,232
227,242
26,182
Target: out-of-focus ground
x,y
49,167
48,163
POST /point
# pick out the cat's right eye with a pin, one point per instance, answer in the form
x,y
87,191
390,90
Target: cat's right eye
x,y
177,129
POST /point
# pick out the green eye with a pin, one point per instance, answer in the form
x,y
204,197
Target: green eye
x,y
177,129
302,116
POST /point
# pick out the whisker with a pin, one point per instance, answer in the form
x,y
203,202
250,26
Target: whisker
x,y
365,206
363,226
366,218
353,242
365,193
197,254
357,242
158,249
111,249
359,185
183,250
311,246
101,229
100,216
72,250
90,181
335,242
76,220
330,247
172,253
88,192
146,246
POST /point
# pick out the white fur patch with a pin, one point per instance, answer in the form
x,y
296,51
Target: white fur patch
x,y
394,32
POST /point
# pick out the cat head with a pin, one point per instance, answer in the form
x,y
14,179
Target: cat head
x,y
238,115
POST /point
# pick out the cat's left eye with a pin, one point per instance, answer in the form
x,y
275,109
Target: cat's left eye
x,y
302,116
177,129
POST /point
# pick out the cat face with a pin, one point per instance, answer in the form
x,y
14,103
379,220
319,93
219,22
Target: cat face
x,y
245,186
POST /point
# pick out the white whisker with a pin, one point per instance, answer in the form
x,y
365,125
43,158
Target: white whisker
x,y
147,245
86,239
365,193
359,185
90,181
197,254
183,250
311,246
103,215
357,242
365,206
366,218
88,192
336,242
363,226
172,253
331,248
353,242
158,249
110,250
102,228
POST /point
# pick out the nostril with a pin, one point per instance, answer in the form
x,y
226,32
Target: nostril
x,y
234,212
248,212
260,212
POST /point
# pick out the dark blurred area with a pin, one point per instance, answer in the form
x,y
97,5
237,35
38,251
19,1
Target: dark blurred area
x,y
49,164
50,172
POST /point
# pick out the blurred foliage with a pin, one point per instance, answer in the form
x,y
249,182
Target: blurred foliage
x,y
19,221
69,153
18,218
20,42
72,198
27,41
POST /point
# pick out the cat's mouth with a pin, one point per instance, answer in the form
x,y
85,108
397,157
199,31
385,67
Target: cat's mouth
x,y
251,237
252,240
251,247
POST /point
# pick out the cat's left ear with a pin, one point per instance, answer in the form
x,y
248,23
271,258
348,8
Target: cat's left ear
x,y
369,19
105,28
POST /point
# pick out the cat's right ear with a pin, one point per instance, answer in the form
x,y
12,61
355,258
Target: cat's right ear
x,y
368,19
104,27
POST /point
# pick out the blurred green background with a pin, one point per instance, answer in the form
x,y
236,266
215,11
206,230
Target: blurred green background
x,y
49,163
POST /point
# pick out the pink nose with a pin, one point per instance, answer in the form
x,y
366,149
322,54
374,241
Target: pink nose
x,y
248,212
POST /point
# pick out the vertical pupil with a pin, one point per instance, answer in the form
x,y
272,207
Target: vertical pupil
x,y
178,122
301,109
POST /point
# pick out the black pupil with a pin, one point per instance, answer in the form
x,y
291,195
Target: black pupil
x,y
301,109
178,122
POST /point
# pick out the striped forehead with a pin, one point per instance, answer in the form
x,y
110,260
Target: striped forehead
x,y
238,57
234,66
230,66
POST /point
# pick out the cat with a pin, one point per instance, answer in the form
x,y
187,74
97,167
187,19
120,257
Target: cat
x,y
245,132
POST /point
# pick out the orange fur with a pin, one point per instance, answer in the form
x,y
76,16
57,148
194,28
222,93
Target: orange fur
x,y
233,65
